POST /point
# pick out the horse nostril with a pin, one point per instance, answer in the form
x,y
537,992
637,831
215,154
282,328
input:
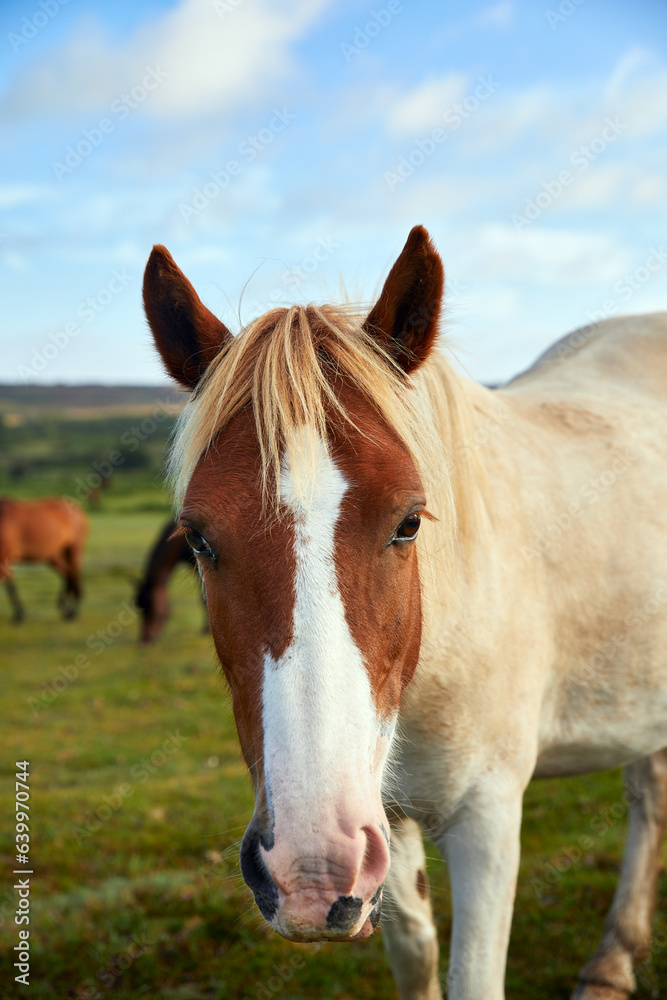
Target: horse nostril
x,y
256,875
344,913
376,912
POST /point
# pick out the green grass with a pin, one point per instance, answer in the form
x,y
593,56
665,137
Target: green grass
x,y
139,799
53,454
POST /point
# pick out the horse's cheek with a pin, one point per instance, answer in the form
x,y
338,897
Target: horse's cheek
x,y
412,625
397,627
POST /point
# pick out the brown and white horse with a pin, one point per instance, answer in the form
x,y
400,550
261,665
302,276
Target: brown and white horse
x,y
519,632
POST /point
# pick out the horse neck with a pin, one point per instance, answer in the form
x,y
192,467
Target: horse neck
x,y
462,551
467,417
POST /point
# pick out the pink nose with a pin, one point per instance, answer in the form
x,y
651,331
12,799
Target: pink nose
x,y
332,888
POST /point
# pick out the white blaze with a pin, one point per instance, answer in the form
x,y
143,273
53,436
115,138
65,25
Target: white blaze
x,y
321,729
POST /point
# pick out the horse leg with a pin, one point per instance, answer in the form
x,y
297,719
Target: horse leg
x,y
482,847
408,931
61,566
71,571
627,934
14,600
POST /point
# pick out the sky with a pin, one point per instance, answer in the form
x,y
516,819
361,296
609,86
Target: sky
x,y
283,149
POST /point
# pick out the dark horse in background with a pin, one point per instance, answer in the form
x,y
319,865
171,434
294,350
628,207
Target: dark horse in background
x,y
50,530
152,597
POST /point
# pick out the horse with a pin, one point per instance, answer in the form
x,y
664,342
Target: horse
x,y
424,594
152,597
50,530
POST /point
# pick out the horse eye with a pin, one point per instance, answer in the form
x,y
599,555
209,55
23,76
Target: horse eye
x,y
407,529
198,543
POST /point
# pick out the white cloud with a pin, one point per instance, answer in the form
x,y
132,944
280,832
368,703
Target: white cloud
x,y
509,114
213,61
598,187
651,189
565,116
550,256
218,60
13,260
635,58
445,195
498,15
206,253
12,195
424,107
492,301
128,252
643,106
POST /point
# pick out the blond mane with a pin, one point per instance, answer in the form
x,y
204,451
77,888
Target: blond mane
x,y
285,366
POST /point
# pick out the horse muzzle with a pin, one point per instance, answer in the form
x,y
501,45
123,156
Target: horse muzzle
x,y
330,889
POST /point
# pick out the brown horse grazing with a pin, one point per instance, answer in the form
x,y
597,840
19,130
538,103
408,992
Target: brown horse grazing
x,y
52,531
400,561
152,597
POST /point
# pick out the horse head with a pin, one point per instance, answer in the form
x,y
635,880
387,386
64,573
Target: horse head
x,y
298,468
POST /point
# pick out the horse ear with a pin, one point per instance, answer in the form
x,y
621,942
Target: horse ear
x,y
404,320
186,333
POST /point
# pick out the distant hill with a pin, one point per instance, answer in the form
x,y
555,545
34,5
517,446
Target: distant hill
x,y
86,401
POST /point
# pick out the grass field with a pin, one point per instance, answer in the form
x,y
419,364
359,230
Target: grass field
x,y
139,799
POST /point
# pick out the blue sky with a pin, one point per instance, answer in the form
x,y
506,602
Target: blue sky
x,y
284,149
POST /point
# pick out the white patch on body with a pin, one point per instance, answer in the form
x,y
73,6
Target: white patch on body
x,y
321,729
